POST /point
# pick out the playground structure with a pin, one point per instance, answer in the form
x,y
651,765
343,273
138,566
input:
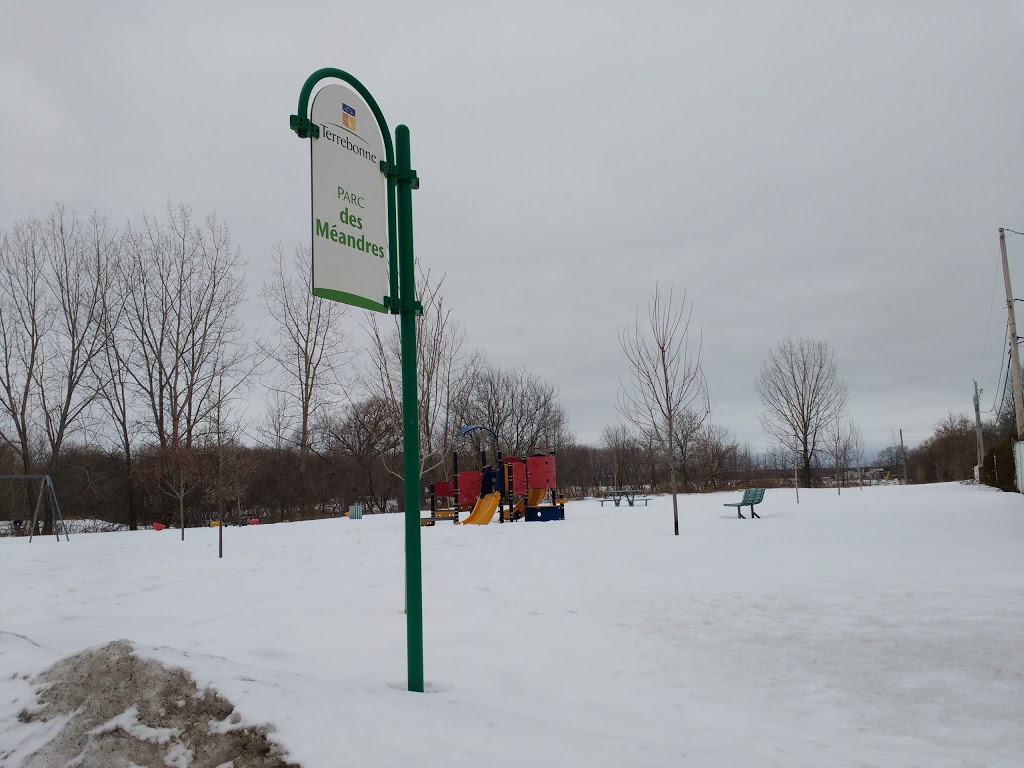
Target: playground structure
x,y
515,489
47,491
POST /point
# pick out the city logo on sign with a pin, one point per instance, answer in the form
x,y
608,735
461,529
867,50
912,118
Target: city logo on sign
x,y
348,117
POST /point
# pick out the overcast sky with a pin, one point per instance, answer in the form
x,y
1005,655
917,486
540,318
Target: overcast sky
x,y
833,170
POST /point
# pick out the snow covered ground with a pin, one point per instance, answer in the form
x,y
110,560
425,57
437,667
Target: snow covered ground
x,y
880,627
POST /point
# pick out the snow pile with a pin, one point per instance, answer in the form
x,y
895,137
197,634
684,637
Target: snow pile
x,y
107,707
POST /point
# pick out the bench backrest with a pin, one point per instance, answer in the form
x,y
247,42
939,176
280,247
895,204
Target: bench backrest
x,y
753,496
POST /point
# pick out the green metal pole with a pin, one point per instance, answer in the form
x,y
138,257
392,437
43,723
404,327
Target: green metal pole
x,y
401,180
410,413
392,243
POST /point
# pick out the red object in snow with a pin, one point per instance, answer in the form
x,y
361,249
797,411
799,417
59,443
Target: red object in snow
x,y
158,526
254,521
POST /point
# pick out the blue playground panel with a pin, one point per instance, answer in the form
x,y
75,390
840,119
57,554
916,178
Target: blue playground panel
x,y
544,514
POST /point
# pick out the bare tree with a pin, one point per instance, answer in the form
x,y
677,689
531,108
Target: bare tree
x,y
838,448
583,470
307,350
949,454
25,320
279,465
445,373
716,452
666,380
181,332
181,316
521,408
800,389
689,434
857,451
618,445
364,436
114,380
231,468
82,260
54,273
171,472
275,428
892,458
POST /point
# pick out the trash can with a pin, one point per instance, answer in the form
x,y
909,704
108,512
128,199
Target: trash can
x,y
355,512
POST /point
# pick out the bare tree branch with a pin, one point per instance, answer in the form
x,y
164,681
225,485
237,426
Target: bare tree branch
x,y
307,350
800,389
666,396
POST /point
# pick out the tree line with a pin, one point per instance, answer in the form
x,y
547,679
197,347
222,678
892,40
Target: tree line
x,y
666,401
127,374
950,453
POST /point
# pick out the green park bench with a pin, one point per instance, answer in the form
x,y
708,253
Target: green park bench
x,y
751,496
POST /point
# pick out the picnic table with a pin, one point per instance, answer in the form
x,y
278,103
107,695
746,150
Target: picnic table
x,y
629,495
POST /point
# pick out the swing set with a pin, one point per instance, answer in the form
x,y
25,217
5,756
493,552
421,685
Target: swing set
x,y
45,488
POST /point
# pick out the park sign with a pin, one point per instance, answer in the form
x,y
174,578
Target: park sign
x,y
350,219
362,226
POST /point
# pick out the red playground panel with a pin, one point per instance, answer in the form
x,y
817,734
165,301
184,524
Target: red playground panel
x,y
443,488
469,487
518,475
540,471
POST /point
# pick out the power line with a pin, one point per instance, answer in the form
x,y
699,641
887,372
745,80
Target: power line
x,y
999,378
1002,378
1006,383
1000,399
988,324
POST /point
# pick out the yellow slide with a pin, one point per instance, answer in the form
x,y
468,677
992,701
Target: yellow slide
x,y
518,510
536,496
484,509
533,499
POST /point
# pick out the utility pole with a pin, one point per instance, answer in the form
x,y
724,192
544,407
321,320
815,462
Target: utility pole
x,y
1018,397
977,424
903,451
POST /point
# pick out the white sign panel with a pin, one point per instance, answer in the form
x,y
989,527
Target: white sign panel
x,y
350,220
